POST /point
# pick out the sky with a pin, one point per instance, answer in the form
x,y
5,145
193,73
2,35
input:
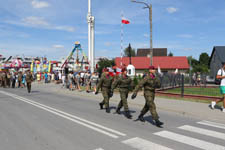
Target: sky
x,y
51,27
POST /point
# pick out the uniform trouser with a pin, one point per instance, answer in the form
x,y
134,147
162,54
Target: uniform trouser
x,y
149,104
19,84
4,83
29,86
13,83
105,94
123,101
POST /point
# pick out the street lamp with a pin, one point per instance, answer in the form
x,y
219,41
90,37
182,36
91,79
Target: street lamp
x,y
149,6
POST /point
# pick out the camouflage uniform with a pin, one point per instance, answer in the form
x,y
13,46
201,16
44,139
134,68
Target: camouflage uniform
x,y
4,79
19,79
0,79
29,79
105,84
150,82
124,83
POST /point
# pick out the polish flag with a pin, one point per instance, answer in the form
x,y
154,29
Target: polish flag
x,y
125,21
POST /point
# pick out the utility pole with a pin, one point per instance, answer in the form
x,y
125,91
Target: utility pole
x,y
149,6
151,46
91,37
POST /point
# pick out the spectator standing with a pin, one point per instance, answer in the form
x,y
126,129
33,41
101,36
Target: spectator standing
x,y
60,76
39,77
94,80
13,79
78,81
46,77
53,77
63,78
221,76
87,81
82,78
70,80
20,79
24,80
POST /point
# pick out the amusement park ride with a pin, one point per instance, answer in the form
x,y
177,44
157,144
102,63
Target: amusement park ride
x,y
80,62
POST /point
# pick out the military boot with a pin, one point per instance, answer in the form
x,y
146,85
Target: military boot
x,y
141,118
107,110
128,115
158,123
101,105
118,111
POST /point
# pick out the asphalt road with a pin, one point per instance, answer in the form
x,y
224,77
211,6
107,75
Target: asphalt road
x,y
45,120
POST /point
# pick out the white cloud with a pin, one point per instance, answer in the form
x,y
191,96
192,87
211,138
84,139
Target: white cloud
x,y
108,44
39,4
65,28
40,22
36,21
187,49
185,36
57,46
146,35
171,10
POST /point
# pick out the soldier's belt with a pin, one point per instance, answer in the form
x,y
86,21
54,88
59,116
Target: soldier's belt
x,y
106,86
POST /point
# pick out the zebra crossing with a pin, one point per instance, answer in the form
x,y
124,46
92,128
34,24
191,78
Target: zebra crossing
x,y
202,129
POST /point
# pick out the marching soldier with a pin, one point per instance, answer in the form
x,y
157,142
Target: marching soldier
x,y
4,79
29,79
20,76
1,78
150,83
105,84
124,83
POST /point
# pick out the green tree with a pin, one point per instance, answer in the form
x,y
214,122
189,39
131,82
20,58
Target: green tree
x,y
204,59
127,53
170,54
103,63
200,65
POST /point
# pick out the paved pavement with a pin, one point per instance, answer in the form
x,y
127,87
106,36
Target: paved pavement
x,y
185,108
51,118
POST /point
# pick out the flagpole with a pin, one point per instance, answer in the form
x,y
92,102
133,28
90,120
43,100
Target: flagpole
x,y
121,41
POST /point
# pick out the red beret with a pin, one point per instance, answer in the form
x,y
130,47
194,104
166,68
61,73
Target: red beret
x,y
124,69
151,67
105,70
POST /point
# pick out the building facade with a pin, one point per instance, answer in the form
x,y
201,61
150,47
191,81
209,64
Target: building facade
x,y
164,63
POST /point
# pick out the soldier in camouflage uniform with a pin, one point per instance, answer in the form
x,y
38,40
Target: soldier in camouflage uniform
x,y
124,83
105,84
20,76
4,79
29,79
0,78
150,83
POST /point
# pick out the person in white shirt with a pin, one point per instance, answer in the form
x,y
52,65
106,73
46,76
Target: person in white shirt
x,y
221,76
60,76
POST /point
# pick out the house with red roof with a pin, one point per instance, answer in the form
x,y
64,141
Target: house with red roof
x,y
165,63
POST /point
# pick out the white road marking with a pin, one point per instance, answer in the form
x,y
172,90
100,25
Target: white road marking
x,y
69,116
190,141
212,124
142,144
99,149
203,132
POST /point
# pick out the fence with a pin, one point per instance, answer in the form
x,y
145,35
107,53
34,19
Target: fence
x,y
184,85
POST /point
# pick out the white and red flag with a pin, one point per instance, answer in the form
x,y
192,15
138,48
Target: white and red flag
x,y
125,21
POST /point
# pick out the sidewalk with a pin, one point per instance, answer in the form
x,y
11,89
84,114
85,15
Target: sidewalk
x,y
186,108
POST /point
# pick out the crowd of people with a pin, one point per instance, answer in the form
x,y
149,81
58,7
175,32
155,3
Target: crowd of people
x,y
13,79
73,80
